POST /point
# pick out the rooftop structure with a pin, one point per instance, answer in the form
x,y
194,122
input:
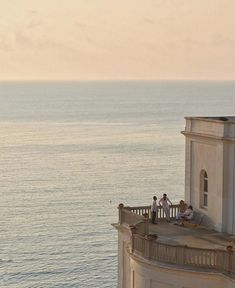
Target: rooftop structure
x,y
201,253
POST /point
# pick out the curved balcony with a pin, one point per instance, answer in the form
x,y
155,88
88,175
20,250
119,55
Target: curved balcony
x,y
187,247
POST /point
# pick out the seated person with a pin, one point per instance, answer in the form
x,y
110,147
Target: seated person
x,y
188,214
182,209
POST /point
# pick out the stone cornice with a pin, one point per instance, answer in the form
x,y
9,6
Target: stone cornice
x,y
207,136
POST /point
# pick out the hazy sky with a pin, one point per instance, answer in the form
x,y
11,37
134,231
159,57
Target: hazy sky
x,y
117,39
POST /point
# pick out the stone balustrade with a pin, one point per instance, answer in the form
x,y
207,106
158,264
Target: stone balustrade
x,y
220,260
144,211
151,249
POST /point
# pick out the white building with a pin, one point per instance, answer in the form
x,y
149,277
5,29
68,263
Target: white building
x,y
210,169
201,254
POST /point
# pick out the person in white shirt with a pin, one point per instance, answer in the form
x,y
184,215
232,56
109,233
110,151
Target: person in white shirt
x,y
164,202
154,210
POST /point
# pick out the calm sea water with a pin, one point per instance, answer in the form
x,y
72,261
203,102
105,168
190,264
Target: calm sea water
x,y
70,153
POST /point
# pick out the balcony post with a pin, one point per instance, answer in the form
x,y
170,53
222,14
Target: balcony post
x,y
133,231
180,254
120,207
230,252
146,224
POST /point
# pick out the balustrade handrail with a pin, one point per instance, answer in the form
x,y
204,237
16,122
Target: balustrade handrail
x,y
216,259
220,260
146,210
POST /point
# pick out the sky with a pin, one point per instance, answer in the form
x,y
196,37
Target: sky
x,y
117,40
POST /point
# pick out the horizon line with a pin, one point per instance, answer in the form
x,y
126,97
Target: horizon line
x,y
110,80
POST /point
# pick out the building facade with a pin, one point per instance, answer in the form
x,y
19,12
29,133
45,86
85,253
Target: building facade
x,y
210,169
168,256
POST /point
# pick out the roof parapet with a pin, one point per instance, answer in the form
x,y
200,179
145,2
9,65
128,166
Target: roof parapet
x,y
215,127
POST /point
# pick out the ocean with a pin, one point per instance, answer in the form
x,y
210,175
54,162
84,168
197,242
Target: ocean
x,y
70,152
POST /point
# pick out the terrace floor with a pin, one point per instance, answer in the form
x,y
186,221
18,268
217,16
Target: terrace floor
x,y
198,237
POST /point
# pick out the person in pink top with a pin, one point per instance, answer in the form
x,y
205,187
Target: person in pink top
x,y
182,208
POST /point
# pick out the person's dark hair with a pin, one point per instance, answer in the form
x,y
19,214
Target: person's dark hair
x,y
164,194
190,207
154,198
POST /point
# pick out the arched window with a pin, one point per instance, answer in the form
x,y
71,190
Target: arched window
x,y
204,188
